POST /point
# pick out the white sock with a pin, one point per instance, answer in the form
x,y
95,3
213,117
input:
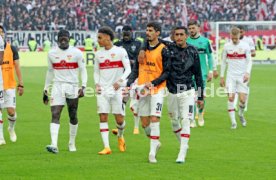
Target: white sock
x,y
176,128
1,127
54,128
147,130
12,121
136,121
154,136
73,133
241,109
231,111
185,134
105,132
121,129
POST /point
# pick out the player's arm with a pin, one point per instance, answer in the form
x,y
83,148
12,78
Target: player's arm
x,y
252,47
134,74
83,73
166,62
248,65
210,61
223,67
48,81
1,50
97,74
197,74
20,86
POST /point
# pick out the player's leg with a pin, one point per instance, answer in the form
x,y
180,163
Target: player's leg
x,y
144,112
103,110
57,103
2,139
186,103
10,104
118,109
247,99
156,104
243,93
174,114
231,85
72,105
134,108
236,101
201,110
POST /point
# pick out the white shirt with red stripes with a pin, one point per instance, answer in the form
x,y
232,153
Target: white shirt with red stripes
x,y
111,66
2,48
64,66
238,58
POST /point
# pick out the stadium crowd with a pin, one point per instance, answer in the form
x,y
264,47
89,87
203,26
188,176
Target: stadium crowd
x,y
91,14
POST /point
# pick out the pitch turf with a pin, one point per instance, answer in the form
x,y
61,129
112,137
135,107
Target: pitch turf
x,y
216,152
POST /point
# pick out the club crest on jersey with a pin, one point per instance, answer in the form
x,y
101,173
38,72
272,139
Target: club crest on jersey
x,y
107,61
235,54
113,55
69,57
133,47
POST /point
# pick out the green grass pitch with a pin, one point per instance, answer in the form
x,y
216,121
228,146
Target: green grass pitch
x,y
215,152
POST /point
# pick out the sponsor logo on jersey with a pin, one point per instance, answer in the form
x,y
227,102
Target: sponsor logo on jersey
x,y
113,55
6,62
133,47
150,63
69,57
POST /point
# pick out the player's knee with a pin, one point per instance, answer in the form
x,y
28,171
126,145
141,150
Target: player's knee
x,y
103,117
154,119
11,112
119,119
231,99
56,111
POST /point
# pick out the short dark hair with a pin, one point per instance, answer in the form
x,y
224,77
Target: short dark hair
x,y
2,27
62,33
108,31
241,27
127,28
193,22
181,27
156,26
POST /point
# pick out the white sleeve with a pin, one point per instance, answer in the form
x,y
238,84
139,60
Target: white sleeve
x,y
96,70
2,44
223,62
82,69
248,61
126,64
49,75
251,44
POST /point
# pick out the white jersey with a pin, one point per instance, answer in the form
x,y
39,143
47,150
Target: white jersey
x,y
65,66
249,41
111,66
238,58
2,48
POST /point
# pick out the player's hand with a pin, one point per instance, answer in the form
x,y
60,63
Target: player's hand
x,y
141,56
45,97
98,89
81,92
210,77
117,84
215,74
200,104
222,82
148,85
20,90
246,78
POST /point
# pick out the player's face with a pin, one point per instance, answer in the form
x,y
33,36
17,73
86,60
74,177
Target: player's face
x,y
63,42
127,35
152,34
193,30
2,33
180,37
103,39
235,38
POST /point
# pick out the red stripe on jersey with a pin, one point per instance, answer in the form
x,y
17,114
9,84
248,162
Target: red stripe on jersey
x,y
185,135
177,131
154,137
103,130
110,65
236,56
230,110
65,65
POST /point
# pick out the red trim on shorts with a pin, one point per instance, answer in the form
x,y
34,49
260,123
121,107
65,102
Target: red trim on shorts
x,y
230,110
154,137
104,130
185,135
65,65
1,121
177,131
110,65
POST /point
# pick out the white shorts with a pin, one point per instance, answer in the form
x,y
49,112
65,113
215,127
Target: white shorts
x,y
181,105
105,102
9,99
62,91
236,84
151,105
134,103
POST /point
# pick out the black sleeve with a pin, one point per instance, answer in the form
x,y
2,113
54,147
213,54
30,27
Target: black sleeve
x,y
166,61
197,74
15,53
134,74
167,43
